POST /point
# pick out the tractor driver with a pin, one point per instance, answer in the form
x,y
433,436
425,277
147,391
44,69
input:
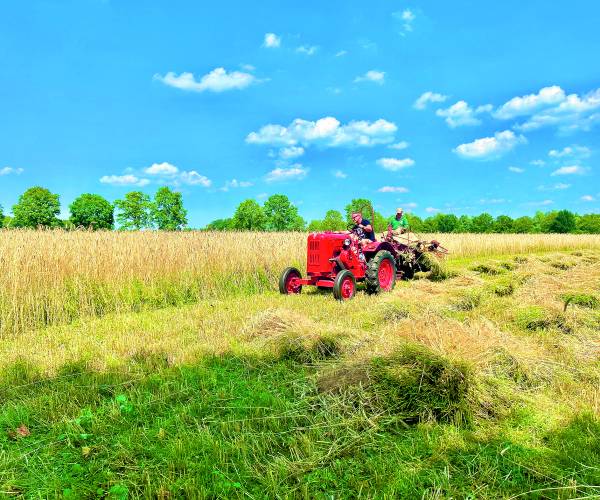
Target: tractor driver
x,y
362,229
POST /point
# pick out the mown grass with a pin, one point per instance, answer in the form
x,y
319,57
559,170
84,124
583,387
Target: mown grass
x,y
442,388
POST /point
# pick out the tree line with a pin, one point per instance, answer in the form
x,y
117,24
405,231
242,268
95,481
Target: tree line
x,y
38,207
249,215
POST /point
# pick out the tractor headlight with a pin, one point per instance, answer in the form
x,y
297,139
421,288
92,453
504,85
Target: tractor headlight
x,y
347,242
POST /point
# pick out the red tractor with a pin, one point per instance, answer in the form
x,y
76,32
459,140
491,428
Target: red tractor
x,y
339,261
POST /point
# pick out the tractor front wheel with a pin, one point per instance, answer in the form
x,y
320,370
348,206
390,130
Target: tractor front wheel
x,y
381,272
344,286
288,282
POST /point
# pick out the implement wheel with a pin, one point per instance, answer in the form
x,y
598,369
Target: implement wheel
x,y
381,273
288,282
344,286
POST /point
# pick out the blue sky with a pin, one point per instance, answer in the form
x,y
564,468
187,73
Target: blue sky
x,y
457,106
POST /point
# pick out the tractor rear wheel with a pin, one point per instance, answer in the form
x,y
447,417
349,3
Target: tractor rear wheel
x,y
344,286
381,273
288,281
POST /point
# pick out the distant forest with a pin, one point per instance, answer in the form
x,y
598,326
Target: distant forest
x,y
38,207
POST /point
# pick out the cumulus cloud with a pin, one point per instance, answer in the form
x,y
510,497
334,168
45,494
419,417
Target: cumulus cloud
x,y
551,106
11,170
392,189
588,197
339,174
427,97
193,178
571,152
516,170
291,152
218,80
399,145
537,163
570,170
394,164
407,17
432,210
377,77
124,180
308,50
341,53
161,169
489,148
235,184
295,172
325,132
528,104
271,41
461,114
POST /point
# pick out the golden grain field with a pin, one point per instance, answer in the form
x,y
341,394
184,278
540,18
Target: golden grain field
x,y
53,277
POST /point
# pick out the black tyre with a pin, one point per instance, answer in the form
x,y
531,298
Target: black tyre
x,y
344,286
286,281
381,272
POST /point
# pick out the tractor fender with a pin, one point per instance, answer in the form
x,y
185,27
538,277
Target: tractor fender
x,y
372,248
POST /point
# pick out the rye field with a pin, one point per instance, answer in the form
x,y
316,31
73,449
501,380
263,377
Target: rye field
x,y
167,365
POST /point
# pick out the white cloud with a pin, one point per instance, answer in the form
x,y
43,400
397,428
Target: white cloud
x,y
11,170
537,163
399,145
341,53
489,148
571,152
426,98
247,67
234,184
339,174
588,197
411,204
392,189
516,170
308,50
377,77
395,164
528,104
543,203
218,80
272,41
161,169
124,180
407,18
431,210
493,201
193,178
461,114
291,152
326,132
570,170
551,107
295,172
556,187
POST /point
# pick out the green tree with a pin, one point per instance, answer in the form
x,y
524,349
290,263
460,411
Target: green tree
x,y
564,222
333,221
134,211
315,226
220,225
92,211
446,223
589,224
415,223
464,224
37,207
503,224
358,205
168,213
483,223
281,214
523,225
249,216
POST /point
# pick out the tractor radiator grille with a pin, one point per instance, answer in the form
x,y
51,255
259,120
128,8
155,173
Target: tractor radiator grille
x,y
313,253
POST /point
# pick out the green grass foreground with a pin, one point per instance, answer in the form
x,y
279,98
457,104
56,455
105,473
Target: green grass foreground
x,y
234,427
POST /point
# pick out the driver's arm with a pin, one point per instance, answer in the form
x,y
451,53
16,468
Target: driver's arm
x,y
368,228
